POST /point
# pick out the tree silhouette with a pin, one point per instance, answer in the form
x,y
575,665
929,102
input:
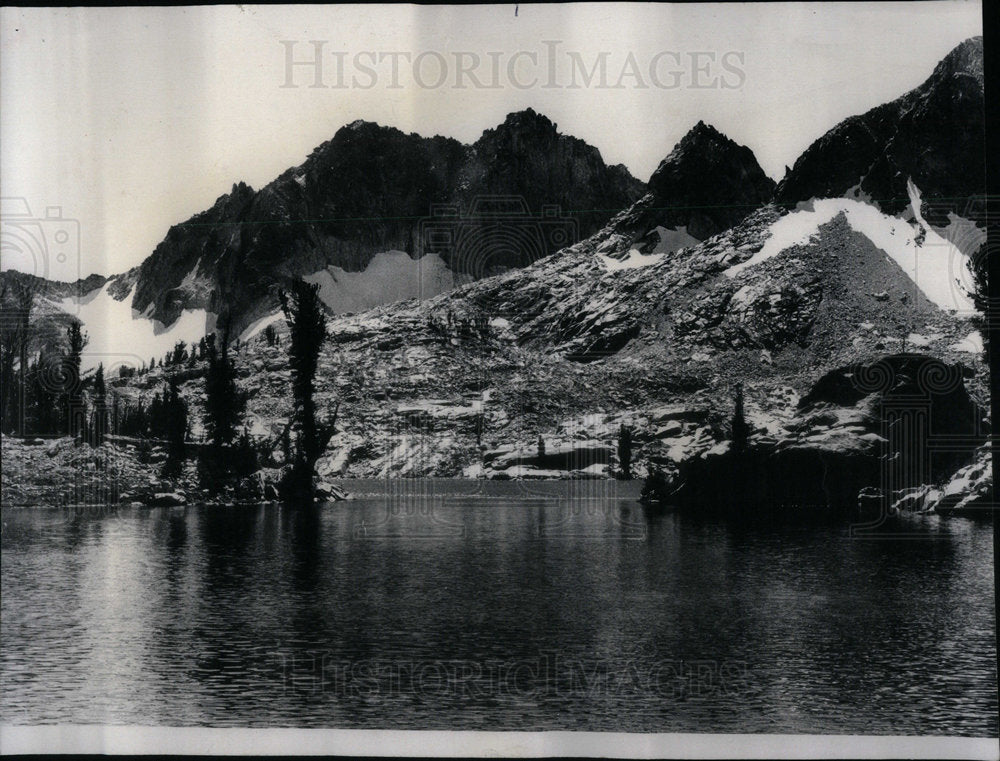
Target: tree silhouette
x,y
224,402
224,408
16,301
740,429
176,423
625,452
99,427
307,325
72,393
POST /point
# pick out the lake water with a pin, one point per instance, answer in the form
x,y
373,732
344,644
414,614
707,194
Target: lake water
x,y
497,606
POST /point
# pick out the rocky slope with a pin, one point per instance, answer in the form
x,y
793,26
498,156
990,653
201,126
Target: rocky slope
x,y
934,134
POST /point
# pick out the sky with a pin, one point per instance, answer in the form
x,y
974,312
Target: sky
x,y
133,119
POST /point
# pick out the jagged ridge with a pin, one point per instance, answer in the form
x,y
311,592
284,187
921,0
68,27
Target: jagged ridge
x,y
934,134
365,191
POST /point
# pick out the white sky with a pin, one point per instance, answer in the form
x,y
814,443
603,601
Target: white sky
x,y
133,119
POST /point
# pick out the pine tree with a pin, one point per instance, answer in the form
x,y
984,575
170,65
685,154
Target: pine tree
x,y
224,407
179,354
271,335
985,317
625,452
16,302
99,427
739,427
73,408
307,324
175,413
224,402
44,398
156,417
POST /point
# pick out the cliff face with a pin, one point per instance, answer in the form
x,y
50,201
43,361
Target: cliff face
x,y
934,134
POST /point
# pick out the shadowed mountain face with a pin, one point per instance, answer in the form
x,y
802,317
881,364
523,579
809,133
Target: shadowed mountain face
x,y
707,184
368,190
934,134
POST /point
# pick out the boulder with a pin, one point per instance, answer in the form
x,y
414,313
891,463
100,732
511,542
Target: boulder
x,y
167,499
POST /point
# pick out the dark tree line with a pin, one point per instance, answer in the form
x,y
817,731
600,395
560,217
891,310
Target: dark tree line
x,y
43,394
16,302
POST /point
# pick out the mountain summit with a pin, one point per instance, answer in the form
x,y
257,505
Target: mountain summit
x,y
710,182
366,191
705,185
934,134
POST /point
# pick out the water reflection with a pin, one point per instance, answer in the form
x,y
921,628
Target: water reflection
x,y
532,616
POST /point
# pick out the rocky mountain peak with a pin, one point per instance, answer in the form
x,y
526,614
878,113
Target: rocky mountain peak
x,y
710,182
701,132
933,134
966,58
528,119
520,129
365,192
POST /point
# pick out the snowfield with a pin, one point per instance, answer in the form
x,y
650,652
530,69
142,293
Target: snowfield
x,y
937,266
670,241
390,276
119,335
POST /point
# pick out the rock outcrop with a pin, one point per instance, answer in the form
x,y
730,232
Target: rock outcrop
x,y
707,184
870,430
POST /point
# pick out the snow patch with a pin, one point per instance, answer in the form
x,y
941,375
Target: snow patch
x,y
795,229
935,264
963,233
634,261
670,240
390,276
921,341
972,343
673,240
117,332
257,326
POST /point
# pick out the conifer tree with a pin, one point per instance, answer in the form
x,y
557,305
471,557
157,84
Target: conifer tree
x,y
307,324
99,426
175,414
625,452
739,427
72,405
